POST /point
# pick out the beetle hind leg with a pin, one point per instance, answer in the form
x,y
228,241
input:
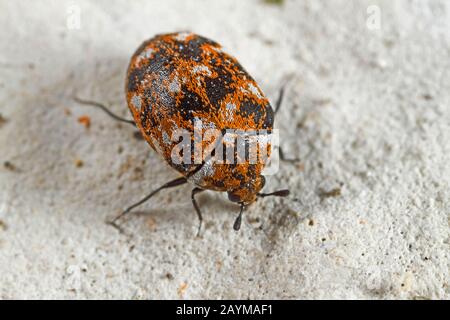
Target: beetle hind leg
x,y
170,184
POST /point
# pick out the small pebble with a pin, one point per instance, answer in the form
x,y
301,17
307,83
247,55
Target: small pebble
x,y
151,223
275,2
79,163
8,165
169,276
85,121
138,136
336,192
182,289
3,225
2,120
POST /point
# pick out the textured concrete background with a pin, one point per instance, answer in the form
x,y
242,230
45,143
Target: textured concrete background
x,y
367,110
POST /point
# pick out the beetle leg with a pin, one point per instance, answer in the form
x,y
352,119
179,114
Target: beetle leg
x,y
170,184
197,209
105,109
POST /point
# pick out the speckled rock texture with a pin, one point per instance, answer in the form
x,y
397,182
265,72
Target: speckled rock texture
x,y
367,111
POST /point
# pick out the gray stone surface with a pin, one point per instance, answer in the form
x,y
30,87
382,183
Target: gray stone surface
x,y
367,110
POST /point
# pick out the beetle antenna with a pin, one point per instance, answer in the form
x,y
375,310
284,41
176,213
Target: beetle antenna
x,y
105,109
237,222
279,193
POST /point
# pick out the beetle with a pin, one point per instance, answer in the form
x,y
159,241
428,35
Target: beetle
x,y
177,80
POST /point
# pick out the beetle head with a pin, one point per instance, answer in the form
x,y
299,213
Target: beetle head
x,y
247,194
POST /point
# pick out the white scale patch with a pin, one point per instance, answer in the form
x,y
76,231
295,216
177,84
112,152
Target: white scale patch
x,y
217,49
166,138
146,54
136,102
201,69
174,86
231,107
209,125
199,81
182,36
199,124
254,90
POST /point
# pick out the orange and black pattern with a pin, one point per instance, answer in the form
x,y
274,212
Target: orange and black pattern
x,y
176,79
